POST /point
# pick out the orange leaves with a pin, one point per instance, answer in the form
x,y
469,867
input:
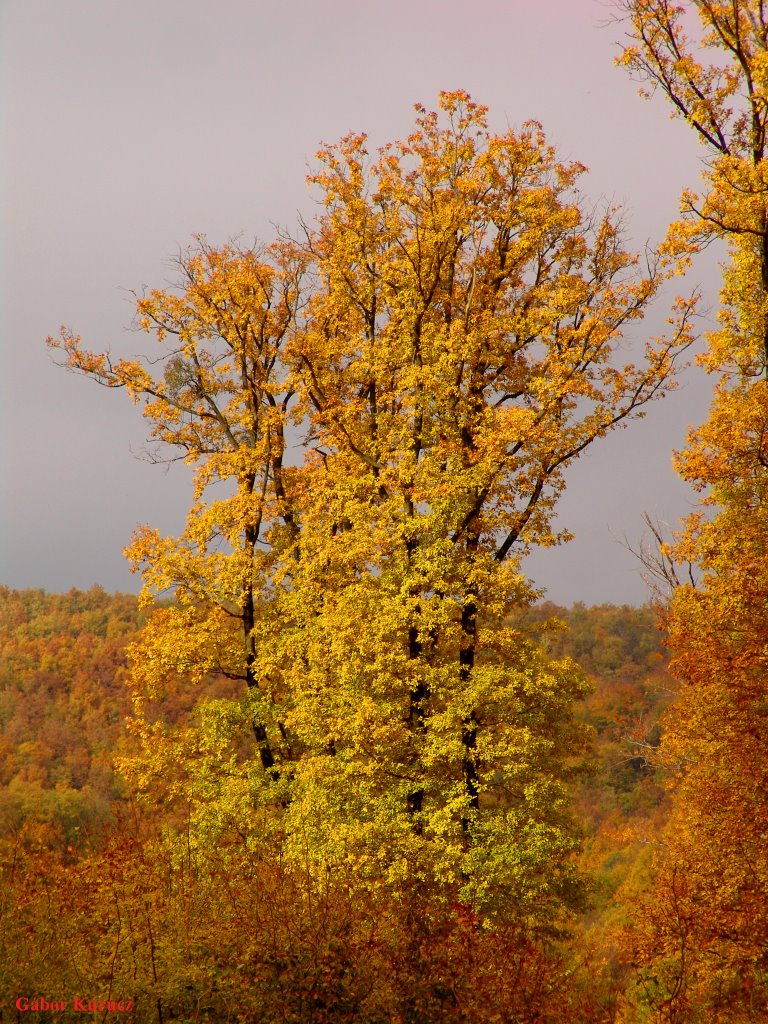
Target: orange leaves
x,y
85,362
702,951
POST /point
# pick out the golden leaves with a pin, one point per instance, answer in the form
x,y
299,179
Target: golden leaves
x,y
387,409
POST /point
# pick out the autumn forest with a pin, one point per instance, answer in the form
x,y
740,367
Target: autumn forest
x,y
341,761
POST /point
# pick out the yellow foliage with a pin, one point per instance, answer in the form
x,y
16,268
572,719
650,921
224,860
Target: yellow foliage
x,y
439,347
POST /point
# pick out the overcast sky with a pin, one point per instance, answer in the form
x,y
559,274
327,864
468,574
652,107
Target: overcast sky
x,y
127,127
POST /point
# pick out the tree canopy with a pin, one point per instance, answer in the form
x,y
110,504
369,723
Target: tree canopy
x,y
388,403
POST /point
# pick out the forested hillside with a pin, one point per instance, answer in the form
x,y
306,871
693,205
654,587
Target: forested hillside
x,y
65,700
83,860
63,705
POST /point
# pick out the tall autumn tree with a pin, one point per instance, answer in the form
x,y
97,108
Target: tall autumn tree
x,y
701,945
441,345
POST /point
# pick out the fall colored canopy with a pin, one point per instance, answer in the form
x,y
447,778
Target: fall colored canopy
x,y
699,939
380,412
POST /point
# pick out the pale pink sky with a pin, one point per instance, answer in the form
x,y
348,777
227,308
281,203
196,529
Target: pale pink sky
x,y
127,127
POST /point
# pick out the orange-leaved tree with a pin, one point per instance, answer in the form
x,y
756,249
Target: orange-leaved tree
x,y
700,942
439,347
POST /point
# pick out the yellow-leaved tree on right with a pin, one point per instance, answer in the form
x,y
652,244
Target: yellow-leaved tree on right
x,y
699,944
